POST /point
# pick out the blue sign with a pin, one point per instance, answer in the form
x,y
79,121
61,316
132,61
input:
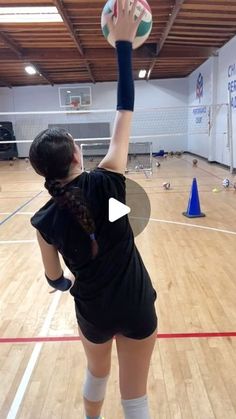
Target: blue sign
x,y
199,87
199,114
232,84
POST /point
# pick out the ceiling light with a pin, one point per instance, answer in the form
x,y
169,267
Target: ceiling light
x,y
30,70
29,14
149,73
142,74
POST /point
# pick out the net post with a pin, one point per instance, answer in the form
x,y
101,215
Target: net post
x,y
230,132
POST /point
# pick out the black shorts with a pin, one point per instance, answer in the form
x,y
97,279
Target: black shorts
x,y
138,326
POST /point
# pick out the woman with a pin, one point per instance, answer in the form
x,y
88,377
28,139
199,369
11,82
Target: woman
x,y
112,290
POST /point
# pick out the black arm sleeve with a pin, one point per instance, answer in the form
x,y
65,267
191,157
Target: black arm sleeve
x,y
125,92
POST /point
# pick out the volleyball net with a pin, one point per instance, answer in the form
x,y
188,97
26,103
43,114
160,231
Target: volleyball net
x,y
198,129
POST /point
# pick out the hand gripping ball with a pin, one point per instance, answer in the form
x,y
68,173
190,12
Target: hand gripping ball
x,y
145,25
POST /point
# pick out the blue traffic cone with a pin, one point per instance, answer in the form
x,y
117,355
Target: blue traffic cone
x,y
194,209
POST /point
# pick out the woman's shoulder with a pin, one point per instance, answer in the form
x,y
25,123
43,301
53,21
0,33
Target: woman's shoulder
x,y
108,182
99,174
101,171
44,214
106,177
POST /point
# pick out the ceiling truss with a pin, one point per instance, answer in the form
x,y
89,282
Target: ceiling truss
x,y
185,33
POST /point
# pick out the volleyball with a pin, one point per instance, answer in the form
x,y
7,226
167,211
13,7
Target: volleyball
x,y
166,185
145,25
226,183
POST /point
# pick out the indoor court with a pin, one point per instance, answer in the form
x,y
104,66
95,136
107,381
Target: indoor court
x,y
185,110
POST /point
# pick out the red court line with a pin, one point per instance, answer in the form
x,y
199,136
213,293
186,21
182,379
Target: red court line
x,y
159,336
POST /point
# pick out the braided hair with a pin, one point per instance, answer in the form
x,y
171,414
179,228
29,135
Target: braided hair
x,y
51,155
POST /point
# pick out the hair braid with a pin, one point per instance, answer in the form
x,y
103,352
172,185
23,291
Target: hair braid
x,y
71,197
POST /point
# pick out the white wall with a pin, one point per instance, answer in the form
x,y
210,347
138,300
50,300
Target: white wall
x,y
161,93
226,80
156,93
219,74
198,139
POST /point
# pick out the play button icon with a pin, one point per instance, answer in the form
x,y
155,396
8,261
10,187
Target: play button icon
x,y
117,210
138,206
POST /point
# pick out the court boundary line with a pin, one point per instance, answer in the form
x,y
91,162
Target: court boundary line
x,y
219,230
21,390
191,335
17,241
19,213
19,208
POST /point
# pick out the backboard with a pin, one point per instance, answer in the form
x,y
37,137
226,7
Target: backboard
x,y
68,96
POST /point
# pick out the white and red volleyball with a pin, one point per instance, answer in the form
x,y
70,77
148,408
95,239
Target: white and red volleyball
x,y
145,25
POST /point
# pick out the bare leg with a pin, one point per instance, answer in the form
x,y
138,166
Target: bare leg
x,y
134,361
99,363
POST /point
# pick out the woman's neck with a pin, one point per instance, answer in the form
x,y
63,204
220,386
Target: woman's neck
x,y
74,172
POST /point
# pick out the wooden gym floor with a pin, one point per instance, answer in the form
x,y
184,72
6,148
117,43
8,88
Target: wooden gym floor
x,y
192,264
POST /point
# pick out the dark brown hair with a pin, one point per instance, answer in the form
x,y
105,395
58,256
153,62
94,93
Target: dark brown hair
x,y
51,155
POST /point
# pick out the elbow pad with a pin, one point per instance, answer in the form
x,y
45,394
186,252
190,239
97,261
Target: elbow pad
x,y
61,284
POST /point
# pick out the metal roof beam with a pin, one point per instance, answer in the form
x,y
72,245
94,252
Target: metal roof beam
x,y
69,25
19,52
5,83
160,44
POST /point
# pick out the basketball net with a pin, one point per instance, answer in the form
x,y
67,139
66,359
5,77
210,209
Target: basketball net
x,y
75,105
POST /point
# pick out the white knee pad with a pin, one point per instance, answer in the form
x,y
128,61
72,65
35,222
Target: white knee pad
x,y
94,387
136,408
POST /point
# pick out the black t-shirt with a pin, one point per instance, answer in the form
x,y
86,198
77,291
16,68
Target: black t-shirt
x,y
116,280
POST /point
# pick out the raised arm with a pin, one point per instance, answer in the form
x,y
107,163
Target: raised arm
x,y
123,32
